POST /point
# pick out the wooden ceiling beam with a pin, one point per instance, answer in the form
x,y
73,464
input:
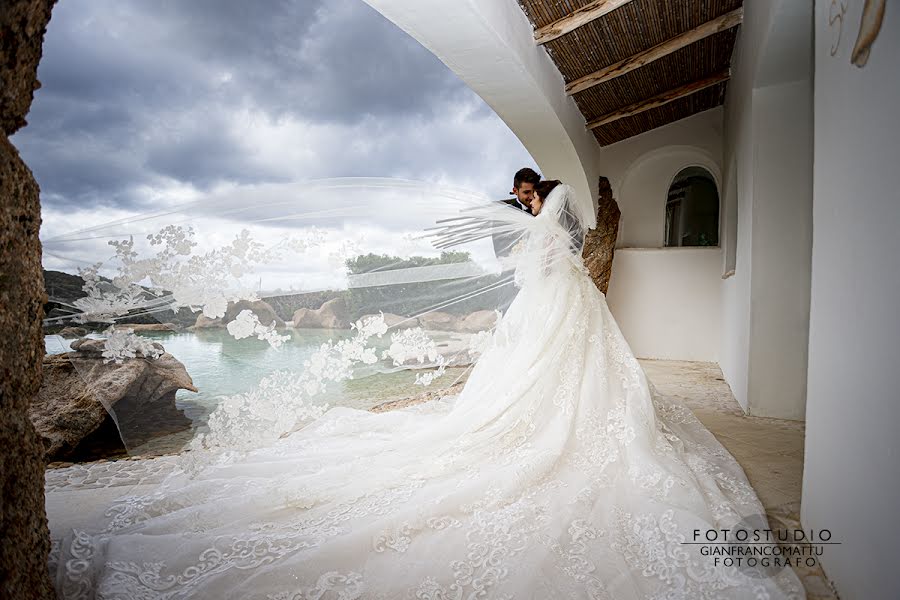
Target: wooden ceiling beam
x,y
582,16
719,24
661,99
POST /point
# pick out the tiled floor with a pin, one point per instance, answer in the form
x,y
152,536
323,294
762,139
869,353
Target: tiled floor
x,y
769,450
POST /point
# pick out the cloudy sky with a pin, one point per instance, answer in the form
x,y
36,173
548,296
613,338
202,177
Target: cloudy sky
x,y
146,104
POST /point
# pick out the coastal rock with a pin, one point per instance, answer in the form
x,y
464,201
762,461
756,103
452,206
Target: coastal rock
x,y
96,347
70,410
333,314
440,321
204,322
138,327
600,242
262,309
482,320
23,555
73,332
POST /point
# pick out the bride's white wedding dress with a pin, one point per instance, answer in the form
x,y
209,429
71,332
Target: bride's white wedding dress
x,y
557,472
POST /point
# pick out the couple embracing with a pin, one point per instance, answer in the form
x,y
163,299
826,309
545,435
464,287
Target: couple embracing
x,y
529,192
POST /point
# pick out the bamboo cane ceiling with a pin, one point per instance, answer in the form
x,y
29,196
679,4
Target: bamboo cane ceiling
x,y
628,29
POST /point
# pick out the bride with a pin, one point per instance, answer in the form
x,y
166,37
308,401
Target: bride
x,y
556,472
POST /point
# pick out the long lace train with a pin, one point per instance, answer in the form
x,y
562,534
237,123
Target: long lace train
x,y
558,472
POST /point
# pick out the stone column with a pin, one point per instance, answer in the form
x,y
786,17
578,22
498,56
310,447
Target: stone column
x,y
23,522
600,242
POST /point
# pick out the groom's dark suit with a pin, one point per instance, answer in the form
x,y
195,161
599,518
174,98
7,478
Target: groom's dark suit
x,y
503,242
515,204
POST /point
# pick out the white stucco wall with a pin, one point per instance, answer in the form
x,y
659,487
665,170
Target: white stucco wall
x,y
641,169
781,250
850,481
737,153
667,301
768,147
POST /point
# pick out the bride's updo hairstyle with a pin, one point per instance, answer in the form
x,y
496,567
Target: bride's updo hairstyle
x,y
543,188
563,211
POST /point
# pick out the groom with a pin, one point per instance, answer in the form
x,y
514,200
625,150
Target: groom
x,y
523,189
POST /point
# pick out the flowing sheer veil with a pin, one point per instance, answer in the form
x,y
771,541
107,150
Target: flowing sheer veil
x,y
555,472
382,289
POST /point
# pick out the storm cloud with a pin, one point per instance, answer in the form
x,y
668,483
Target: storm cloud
x,y
146,103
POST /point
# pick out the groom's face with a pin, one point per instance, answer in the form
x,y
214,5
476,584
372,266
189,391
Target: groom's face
x,y
525,193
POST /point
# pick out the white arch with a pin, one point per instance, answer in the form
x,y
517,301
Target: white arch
x,y
693,156
490,46
639,189
719,198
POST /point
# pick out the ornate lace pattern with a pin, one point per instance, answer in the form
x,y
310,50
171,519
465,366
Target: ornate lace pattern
x,y
571,478
179,278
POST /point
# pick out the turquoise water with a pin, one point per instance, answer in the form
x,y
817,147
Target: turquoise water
x,y
220,365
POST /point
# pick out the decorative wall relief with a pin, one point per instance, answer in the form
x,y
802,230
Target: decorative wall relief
x,y
836,13
869,27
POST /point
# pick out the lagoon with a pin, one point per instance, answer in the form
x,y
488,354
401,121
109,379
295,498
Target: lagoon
x,y
221,365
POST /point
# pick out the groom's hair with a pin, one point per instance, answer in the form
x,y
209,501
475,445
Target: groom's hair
x,y
525,175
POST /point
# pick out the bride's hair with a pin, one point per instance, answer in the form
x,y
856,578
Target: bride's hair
x,y
544,188
563,212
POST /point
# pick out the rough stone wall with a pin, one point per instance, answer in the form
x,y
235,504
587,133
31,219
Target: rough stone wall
x,y
600,242
24,538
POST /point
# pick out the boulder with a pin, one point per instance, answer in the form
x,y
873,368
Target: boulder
x,y
138,327
440,321
73,332
95,347
70,410
204,322
333,314
262,309
482,320
306,318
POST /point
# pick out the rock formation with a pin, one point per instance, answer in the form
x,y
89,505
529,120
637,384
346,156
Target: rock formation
x,y
600,242
204,322
334,314
73,332
70,411
23,521
262,309
481,320
440,321
138,327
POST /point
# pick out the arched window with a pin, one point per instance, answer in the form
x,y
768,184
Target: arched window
x,y
692,209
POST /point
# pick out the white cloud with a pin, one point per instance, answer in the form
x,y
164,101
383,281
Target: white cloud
x,y
147,106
